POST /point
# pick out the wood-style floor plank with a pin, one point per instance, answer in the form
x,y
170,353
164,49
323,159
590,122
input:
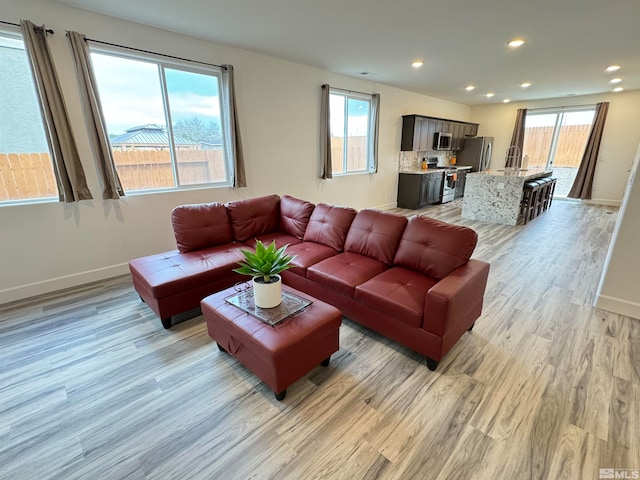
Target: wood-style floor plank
x,y
544,387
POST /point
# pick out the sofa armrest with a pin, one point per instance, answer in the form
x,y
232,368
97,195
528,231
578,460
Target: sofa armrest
x,y
455,297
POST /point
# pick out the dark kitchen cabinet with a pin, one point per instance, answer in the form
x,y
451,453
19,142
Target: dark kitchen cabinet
x,y
470,129
410,133
457,140
418,132
462,179
417,190
415,134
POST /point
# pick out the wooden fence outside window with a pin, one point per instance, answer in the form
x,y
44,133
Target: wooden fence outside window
x,y
27,176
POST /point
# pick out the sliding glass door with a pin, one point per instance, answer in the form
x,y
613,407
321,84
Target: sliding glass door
x,y
556,139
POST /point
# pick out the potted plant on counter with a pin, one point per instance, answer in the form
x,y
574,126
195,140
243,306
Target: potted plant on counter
x,y
264,264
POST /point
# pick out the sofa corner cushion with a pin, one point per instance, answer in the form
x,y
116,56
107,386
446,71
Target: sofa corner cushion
x,y
254,216
199,226
435,248
329,225
295,215
375,234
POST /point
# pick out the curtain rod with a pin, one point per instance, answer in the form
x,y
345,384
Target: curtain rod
x,y
350,91
589,105
152,53
48,30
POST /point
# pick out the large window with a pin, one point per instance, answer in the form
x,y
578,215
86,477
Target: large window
x,y
164,121
351,133
556,139
26,170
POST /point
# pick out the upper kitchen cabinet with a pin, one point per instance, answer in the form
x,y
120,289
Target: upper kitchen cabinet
x,y
470,129
457,141
412,133
418,132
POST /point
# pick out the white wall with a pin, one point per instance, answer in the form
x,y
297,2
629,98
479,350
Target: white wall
x,y
619,140
44,247
618,291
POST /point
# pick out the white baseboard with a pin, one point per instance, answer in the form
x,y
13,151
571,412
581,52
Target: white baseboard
x,y
604,201
617,305
51,285
386,206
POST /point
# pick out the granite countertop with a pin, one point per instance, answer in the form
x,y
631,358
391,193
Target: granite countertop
x,y
433,170
422,172
515,172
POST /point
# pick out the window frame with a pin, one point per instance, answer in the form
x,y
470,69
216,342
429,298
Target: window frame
x,y
559,112
369,160
8,33
162,63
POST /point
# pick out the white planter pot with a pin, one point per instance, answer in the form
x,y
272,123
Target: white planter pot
x,y
267,295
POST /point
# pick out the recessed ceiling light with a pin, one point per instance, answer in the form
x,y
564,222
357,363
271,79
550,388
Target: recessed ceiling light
x,y
613,68
470,88
618,89
417,64
525,84
615,80
490,94
506,100
516,42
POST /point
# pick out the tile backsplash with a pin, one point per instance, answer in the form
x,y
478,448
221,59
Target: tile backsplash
x,y
413,160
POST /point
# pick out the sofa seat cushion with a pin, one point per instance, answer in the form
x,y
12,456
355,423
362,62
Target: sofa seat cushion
x,y
307,254
435,248
375,234
329,225
398,292
294,215
255,216
345,271
168,273
200,226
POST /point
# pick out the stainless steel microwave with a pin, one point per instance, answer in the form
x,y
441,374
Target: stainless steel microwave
x,y
442,141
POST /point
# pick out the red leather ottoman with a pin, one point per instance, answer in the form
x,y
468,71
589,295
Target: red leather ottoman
x,y
279,354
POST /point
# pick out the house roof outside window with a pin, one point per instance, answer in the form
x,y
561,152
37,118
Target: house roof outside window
x,y
149,136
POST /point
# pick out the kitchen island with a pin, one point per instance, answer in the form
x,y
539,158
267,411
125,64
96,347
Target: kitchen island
x,y
495,195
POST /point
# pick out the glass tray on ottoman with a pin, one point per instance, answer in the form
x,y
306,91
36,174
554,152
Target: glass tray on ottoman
x,y
291,304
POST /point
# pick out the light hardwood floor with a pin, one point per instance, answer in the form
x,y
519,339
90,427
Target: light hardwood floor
x,y
545,387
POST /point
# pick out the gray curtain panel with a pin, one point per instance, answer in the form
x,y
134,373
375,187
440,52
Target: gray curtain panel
x,y
517,140
325,134
98,136
583,183
72,185
375,115
230,110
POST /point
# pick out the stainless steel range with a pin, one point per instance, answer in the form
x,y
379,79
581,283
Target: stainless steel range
x,y
449,181
449,185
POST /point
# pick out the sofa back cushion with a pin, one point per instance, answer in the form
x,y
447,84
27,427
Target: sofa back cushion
x,y
255,216
435,248
375,234
294,215
329,225
200,226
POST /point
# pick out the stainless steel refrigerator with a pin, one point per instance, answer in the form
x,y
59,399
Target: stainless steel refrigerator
x,y
476,153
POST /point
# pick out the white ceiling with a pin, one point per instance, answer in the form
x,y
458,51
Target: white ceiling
x,y
569,42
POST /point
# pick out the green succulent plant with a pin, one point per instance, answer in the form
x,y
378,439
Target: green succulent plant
x,y
265,262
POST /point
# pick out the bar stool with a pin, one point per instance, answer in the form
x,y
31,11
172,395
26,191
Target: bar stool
x,y
543,194
530,195
552,189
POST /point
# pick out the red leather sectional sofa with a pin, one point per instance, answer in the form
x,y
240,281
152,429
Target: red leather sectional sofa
x,y
410,280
